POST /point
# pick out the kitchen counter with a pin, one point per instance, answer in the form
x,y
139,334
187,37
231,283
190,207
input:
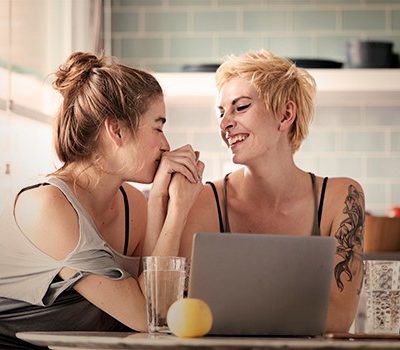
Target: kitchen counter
x,y
144,341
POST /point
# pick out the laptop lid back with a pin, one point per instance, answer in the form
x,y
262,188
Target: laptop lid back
x,y
257,284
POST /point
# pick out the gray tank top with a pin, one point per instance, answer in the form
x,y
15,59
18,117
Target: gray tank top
x,y
32,296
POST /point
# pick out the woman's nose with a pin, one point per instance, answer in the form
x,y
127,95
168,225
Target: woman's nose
x,y
226,122
165,147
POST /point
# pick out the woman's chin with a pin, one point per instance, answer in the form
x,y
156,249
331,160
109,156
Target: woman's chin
x,y
236,159
143,178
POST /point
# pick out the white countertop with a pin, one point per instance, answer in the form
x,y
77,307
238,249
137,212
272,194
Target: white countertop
x,y
108,340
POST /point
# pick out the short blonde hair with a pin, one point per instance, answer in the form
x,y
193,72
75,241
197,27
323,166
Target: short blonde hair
x,y
277,80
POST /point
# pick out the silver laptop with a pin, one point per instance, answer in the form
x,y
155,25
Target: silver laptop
x,y
257,284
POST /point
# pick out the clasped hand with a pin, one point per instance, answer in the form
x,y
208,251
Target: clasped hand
x,y
178,175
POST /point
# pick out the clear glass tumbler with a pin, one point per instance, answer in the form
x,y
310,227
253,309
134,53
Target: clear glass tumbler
x,y
164,279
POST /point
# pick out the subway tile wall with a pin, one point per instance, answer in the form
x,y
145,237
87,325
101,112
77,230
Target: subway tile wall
x,y
357,141
163,35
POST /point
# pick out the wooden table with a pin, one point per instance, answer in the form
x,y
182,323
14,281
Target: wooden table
x,y
144,341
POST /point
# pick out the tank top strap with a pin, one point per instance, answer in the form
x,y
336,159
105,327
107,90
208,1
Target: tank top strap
x,y
225,203
126,209
222,212
220,220
321,200
315,227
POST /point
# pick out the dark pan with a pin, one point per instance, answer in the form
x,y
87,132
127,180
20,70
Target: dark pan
x,y
316,63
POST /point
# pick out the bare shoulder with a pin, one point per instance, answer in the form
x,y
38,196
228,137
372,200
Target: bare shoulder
x,y
203,217
343,194
41,203
138,217
135,195
206,202
208,199
339,185
47,218
137,205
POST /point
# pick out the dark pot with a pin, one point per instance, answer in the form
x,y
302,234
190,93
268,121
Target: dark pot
x,y
369,54
206,67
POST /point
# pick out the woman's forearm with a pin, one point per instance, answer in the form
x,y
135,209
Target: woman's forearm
x,y
157,211
168,242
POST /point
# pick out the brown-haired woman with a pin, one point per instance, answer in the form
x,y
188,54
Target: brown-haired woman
x,y
265,108
80,235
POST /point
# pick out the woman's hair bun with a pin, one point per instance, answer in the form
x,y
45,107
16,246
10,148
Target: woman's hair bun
x,y
75,71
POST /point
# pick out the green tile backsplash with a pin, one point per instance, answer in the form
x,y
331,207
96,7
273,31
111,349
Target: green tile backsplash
x,y
125,22
368,141
383,167
134,3
215,21
292,46
315,20
186,47
235,45
395,20
141,48
395,192
364,20
166,21
266,21
395,141
297,28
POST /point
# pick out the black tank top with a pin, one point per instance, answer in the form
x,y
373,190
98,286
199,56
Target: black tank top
x,y
225,227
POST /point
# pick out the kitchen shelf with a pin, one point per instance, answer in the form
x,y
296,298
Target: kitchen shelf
x,y
338,87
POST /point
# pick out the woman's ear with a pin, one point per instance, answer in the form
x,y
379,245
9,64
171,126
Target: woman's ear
x,y
288,116
113,130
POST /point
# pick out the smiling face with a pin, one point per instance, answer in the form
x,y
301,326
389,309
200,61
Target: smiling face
x,y
150,142
248,129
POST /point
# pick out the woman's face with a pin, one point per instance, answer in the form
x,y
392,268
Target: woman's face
x,y
150,142
247,128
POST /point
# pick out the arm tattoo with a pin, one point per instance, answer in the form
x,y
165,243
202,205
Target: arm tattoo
x,y
349,234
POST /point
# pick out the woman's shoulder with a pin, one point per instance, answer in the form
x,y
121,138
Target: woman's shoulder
x,y
134,193
339,186
47,218
344,201
232,177
340,190
138,216
42,199
136,200
212,193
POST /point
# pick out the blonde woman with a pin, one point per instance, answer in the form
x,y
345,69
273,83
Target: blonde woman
x,y
265,107
79,235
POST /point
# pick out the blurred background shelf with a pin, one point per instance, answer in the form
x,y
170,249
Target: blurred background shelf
x,y
371,87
